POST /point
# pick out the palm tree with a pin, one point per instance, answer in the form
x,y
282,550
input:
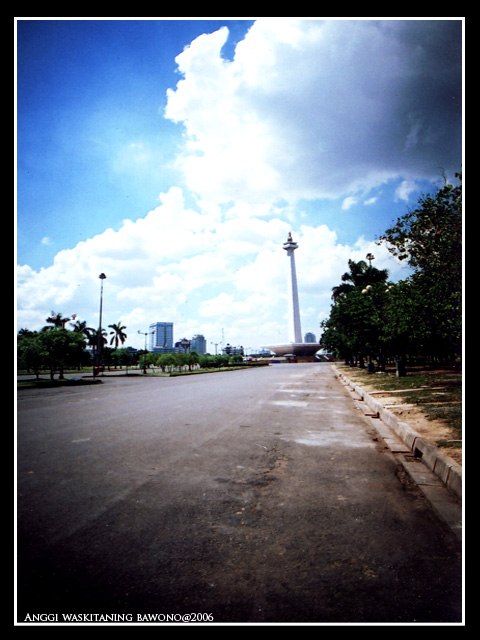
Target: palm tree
x,y
117,333
26,332
360,275
80,326
93,339
56,320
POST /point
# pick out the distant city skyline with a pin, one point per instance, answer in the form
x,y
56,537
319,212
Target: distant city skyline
x,y
161,340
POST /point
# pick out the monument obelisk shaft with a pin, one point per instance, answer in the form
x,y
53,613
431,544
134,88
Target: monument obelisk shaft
x,y
290,247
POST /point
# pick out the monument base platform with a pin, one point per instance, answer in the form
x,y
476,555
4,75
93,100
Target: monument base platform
x,y
296,349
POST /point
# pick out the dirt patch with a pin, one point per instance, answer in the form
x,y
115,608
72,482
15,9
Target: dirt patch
x,y
430,401
435,431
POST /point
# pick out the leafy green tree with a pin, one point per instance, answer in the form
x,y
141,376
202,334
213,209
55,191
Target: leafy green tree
x,y
151,359
108,357
204,361
419,316
192,359
123,357
353,330
61,348
165,360
222,360
429,239
180,360
30,351
80,327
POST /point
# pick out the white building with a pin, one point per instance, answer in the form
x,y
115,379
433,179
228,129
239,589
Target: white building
x,y
199,344
232,351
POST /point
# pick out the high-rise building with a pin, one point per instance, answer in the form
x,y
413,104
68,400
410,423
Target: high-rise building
x,y
161,336
310,337
199,344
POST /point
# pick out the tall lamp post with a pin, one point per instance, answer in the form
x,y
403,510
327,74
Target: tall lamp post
x,y
96,364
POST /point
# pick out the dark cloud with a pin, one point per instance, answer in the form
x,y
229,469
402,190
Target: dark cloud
x,y
339,106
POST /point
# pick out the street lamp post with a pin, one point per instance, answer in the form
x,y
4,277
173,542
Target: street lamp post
x,y
96,360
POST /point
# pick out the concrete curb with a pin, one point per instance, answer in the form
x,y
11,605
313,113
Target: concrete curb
x,y
449,471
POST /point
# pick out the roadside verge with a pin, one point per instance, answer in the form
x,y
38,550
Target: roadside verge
x,y
446,469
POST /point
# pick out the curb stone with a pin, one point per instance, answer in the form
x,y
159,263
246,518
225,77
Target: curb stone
x,y
446,469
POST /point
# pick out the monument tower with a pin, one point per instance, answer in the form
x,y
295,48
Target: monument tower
x,y
296,347
296,330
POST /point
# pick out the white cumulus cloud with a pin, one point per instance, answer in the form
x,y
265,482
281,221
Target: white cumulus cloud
x,y
318,108
183,265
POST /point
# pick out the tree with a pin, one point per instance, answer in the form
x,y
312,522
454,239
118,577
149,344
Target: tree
x,y
180,360
118,335
26,332
123,357
164,360
204,361
55,320
192,359
80,326
30,351
360,276
419,316
96,339
61,348
429,239
353,330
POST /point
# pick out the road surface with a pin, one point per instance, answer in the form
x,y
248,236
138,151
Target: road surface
x,y
252,496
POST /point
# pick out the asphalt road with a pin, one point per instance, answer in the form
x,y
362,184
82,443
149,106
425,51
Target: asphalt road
x,y
245,496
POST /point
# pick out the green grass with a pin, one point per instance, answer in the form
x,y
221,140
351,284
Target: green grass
x,y
43,383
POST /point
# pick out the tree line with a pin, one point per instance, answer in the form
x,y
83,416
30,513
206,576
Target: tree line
x,y
189,360
373,320
56,348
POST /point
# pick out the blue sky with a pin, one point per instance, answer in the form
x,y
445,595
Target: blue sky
x,y
175,156
86,91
